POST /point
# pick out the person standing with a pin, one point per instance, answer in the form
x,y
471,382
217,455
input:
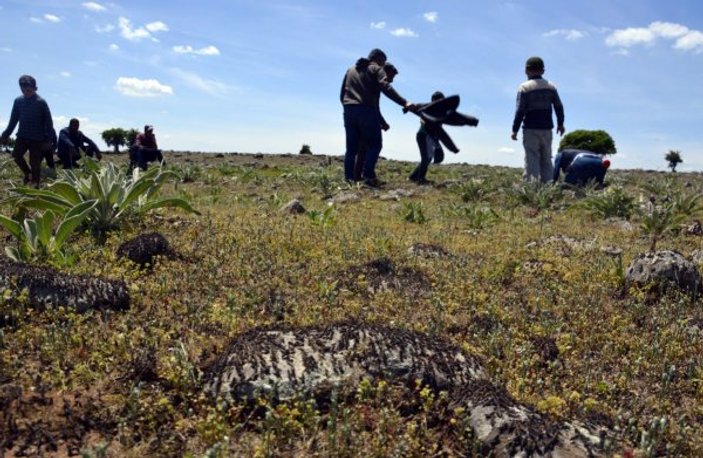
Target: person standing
x,y
71,141
535,99
359,95
35,127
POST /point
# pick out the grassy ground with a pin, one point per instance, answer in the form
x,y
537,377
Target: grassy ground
x,y
550,316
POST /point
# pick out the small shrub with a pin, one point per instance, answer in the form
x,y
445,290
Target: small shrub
x,y
614,202
597,141
305,150
413,213
537,195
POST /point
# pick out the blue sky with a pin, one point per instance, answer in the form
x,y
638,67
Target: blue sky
x,y
264,76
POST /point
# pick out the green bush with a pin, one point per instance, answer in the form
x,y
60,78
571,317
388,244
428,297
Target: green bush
x,y
596,141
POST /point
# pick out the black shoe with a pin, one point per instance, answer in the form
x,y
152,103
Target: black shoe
x,y
424,182
374,183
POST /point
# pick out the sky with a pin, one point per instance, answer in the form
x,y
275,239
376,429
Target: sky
x,y
264,75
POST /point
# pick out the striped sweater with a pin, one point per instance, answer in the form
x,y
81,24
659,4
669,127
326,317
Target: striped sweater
x,y
535,99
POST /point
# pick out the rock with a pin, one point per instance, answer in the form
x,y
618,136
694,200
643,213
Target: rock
x,y
314,361
48,287
294,207
697,256
144,248
664,268
346,197
695,228
396,194
611,250
426,250
622,224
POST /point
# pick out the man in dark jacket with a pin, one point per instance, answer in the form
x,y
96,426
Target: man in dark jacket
x,y
34,117
71,141
580,167
362,120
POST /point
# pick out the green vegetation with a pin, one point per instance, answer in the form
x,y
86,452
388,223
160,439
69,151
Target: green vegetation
x,y
673,157
597,141
554,324
115,137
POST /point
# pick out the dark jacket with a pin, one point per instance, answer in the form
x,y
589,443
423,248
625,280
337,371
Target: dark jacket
x,y
34,118
363,83
579,166
70,140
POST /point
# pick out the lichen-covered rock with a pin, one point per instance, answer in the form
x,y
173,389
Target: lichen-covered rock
x,y
286,362
427,250
294,207
49,287
145,247
664,269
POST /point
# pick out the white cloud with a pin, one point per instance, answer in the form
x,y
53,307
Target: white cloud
x,y
157,26
134,87
403,32
52,18
114,47
196,81
686,39
92,6
104,29
6,49
206,51
140,33
378,25
65,74
569,34
506,150
431,16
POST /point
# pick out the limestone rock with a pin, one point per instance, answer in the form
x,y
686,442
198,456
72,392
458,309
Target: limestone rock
x,y
664,268
294,207
144,248
346,197
49,287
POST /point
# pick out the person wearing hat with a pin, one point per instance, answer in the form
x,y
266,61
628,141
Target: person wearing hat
x,y
535,99
71,141
391,73
35,129
145,149
359,94
580,167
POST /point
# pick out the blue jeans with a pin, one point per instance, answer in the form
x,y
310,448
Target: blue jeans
x,y
362,124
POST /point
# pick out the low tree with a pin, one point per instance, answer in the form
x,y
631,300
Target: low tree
x,y
305,150
131,136
596,141
674,159
115,137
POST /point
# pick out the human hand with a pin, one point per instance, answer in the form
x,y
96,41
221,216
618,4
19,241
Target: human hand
x,y
560,130
514,136
385,126
409,106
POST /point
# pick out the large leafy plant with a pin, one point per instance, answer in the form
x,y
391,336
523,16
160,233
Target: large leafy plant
x,y
117,194
38,241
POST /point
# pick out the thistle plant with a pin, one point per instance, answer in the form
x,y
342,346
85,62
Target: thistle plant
x,y
613,202
537,195
659,220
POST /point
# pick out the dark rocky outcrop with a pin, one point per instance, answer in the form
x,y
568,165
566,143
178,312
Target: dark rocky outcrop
x,y
664,269
286,362
144,248
48,287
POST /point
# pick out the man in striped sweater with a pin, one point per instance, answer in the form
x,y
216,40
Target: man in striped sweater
x,y
35,131
535,99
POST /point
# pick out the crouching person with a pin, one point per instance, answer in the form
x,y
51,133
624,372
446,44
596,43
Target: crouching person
x,y
71,141
145,149
580,167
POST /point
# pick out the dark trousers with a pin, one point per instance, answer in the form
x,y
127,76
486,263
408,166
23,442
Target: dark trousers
x,y
143,156
36,154
68,160
362,125
424,143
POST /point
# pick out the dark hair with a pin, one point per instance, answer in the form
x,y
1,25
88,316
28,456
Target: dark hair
x,y
28,80
534,63
376,55
148,127
437,95
73,120
390,68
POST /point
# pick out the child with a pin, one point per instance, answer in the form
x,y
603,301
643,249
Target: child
x,y
535,99
428,141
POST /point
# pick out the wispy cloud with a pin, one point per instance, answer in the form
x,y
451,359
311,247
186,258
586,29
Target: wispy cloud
x,y
685,39
46,18
206,51
403,32
569,34
93,6
431,16
196,81
6,49
65,74
506,150
378,25
105,28
113,47
135,87
135,34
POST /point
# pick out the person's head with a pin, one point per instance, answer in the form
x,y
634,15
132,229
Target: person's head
x,y
534,66
378,56
28,85
391,71
437,95
149,129
74,124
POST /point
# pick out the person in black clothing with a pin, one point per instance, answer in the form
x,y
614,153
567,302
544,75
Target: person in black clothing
x,y
71,141
580,167
428,141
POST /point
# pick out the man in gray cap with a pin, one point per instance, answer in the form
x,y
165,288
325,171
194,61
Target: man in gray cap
x,y
535,99
36,129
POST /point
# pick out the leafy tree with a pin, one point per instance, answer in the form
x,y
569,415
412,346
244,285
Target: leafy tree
x,y
597,141
305,150
115,137
131,136
674,159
